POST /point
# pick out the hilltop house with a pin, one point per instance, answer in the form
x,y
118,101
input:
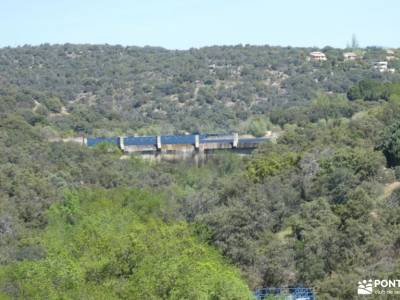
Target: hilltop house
x,y
382,66
350,56
390,54
317,56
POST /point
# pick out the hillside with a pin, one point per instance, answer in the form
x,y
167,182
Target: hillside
x,y
319,207
102,90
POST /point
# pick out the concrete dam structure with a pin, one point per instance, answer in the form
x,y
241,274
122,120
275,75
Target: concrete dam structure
x,y
178,143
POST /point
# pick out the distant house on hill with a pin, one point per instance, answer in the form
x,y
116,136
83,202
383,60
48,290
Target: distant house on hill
x,y
317,56
382,66
390,55
350,56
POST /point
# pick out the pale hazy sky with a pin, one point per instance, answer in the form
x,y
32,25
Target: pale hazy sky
x,y
181,24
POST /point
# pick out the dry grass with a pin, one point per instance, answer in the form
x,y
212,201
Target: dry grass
x,y
389,188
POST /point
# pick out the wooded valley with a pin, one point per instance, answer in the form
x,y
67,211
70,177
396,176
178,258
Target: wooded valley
x,y
320,207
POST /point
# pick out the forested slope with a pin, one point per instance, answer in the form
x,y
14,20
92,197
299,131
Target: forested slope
x,y
109,89
317,208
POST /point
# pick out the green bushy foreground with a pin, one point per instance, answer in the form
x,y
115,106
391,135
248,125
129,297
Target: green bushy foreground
x,y
113,244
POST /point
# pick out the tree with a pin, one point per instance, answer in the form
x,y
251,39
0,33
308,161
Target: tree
x,y
390,144
354,93
112,245
354,42
258,126
270,164
369,90
53,104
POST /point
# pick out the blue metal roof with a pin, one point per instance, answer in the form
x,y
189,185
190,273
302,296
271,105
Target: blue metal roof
x,y
140,140
177,139
294,292
173,140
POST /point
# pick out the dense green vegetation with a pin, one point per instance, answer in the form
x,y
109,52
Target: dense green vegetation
x,y
112,244
370,90
106,90
318,207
